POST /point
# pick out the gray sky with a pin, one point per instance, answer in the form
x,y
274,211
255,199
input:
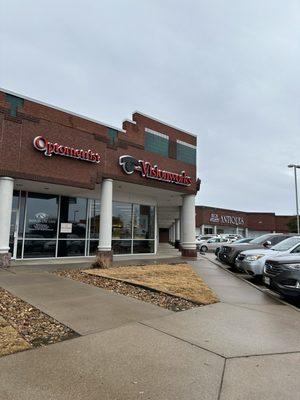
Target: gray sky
x,y
225,70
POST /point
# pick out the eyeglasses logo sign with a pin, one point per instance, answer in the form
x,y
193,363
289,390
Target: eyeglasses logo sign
x,y
149,171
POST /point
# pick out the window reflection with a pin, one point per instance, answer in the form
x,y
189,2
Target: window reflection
x,y
39,248
69,248
95,219
143,246
73,212
143,222
41,217
121,223
133,226
121,246
93,247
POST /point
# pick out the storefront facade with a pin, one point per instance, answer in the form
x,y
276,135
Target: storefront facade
x,y
212,220
72,187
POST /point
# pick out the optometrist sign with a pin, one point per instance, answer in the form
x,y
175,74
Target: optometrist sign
x,y
149,171
49,148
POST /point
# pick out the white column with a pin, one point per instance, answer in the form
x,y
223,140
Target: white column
x,y
6,198
215,230
105,215
173,233
202,229
177,229
188,244
177,233
246,232
181,224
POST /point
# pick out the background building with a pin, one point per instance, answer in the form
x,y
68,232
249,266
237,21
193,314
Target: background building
x,y
212,220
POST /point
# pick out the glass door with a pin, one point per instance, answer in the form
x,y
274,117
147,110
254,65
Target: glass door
x,y
14,223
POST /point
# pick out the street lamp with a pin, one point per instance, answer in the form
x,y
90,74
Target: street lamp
x,y
295,166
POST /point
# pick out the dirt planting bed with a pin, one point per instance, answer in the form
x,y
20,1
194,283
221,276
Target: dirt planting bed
x,y
175,287
27,326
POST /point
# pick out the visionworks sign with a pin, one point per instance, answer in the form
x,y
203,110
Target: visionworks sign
x,y
149,171
50,148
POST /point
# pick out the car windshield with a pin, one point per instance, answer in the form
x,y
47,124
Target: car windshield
x,y
260,239
286,244
244,240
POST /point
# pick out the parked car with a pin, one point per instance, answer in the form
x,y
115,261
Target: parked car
x,y
283,275
232,236
243,240
202,239
212,243
229,252
253,261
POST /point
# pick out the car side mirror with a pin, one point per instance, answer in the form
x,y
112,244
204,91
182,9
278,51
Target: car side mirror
x,y
267,243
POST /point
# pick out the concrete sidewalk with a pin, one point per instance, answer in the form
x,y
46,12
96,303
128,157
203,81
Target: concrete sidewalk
x,y
84,308
246,347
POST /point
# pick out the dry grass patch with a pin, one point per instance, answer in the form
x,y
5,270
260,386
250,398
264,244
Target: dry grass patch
x,y
10,340
175,279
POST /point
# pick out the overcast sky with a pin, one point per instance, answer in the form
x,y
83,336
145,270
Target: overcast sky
x,y
227,71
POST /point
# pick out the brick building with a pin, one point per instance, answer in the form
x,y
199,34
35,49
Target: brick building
x,y
71,186
219,220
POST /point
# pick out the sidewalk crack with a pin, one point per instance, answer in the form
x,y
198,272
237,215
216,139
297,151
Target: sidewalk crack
x,y
183,340
222,379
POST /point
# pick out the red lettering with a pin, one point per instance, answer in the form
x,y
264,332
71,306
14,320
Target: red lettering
x,y
145,167
42,144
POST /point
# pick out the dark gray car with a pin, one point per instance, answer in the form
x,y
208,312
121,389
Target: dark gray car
x,y
282,273
229,252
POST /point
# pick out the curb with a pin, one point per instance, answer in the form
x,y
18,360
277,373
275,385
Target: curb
x,y
265,291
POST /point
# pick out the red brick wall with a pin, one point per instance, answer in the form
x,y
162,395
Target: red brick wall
x,y
203,215
281,222
19,159
261,221
253,220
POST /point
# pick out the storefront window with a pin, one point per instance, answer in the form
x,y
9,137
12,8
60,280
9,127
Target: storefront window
x,y
22,214
73,213
13,221
122,219
71,248
61,226
121,246
93,246
39,248
41,216
143,222
143,246
94,219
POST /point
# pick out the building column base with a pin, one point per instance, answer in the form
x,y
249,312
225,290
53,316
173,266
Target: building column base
x,y
188,252
5,260
104,258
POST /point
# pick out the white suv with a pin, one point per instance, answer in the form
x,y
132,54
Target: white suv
x,y
212,243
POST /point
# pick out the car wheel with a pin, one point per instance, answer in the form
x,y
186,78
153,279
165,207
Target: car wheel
x,y
232,264
204,249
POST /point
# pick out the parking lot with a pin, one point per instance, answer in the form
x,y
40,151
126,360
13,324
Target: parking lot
x,y
258,283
